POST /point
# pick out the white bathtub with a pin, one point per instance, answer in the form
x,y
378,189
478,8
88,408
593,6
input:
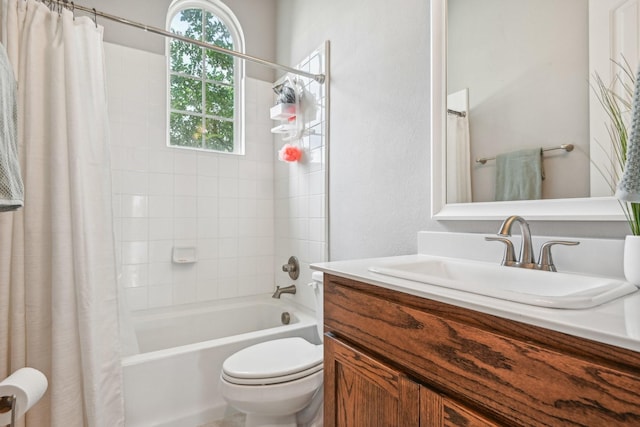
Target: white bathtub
x,y
173,382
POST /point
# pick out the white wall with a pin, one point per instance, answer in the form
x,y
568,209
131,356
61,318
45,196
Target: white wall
x,y
220,204
526,66
379,138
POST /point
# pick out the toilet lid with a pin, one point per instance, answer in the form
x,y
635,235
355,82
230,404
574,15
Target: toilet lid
x,y
273,361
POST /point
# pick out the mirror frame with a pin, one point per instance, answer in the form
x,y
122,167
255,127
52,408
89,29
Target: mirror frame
x,y
578,209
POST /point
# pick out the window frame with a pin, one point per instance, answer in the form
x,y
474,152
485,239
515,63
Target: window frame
x,y
222,12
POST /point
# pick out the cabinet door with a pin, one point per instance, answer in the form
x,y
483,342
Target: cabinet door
x,y
363,392
439,411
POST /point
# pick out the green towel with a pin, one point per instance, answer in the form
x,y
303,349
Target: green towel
x,y
519,175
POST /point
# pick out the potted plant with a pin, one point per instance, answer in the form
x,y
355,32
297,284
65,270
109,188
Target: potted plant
x,y
617,99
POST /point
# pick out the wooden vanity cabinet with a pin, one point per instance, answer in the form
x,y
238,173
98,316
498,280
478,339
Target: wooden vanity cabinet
x,y
393,359
367,393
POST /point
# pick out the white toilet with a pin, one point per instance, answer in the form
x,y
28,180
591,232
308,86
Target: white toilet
x,y
278,383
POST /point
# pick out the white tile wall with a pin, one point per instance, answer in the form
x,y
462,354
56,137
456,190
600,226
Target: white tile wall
x,y
300,194
165,197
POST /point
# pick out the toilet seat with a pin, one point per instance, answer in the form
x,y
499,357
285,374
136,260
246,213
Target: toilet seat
x,y
273,362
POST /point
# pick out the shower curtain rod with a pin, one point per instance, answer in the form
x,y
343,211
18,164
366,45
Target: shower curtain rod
x,y
71,5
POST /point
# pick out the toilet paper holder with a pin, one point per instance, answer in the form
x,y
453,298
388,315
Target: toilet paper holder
x,y
8,404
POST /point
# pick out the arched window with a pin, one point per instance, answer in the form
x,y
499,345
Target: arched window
x,y
205,87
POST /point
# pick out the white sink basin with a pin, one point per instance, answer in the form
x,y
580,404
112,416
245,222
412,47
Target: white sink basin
x,y
533,287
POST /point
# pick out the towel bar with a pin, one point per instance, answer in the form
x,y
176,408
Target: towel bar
x,y
565,147
457,113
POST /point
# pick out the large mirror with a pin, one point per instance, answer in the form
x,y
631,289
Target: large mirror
x,y
520,71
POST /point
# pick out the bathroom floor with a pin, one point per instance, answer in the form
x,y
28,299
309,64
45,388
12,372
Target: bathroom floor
x,y
232,420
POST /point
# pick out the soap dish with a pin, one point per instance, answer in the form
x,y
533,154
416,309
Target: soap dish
x,y
184,254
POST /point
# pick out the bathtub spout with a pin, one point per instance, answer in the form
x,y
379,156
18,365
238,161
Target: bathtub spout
x,y
291,289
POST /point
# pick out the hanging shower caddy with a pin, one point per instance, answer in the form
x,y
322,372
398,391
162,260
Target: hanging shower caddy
x,y
287,109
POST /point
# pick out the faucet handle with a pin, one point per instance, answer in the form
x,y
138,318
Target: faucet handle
x,y
545,261
292,267
509,257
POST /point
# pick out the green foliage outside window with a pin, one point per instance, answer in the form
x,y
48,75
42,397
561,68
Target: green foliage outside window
x,y
202,92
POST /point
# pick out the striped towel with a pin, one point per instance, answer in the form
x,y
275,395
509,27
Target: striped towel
x,y
629,187
11,185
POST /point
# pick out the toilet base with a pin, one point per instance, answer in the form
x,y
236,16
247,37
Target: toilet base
x,y
261,420
274,405
310,416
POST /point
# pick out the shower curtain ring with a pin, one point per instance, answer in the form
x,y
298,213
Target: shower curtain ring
x,y
95,17
73,10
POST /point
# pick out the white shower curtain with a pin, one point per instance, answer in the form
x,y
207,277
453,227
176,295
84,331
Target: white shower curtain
x,y
458,164
58,294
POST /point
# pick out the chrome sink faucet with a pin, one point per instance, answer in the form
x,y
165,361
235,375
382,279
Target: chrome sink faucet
x,y
525,258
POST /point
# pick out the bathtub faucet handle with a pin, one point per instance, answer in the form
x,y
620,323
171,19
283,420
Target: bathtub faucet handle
x,y
291,289
292,267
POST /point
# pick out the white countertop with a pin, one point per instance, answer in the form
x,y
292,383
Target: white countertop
x,y
616,322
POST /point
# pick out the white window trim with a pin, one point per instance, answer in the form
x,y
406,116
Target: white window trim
x,y
223,12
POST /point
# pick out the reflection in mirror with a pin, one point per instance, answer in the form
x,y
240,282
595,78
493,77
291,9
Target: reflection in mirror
x,y
526,65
